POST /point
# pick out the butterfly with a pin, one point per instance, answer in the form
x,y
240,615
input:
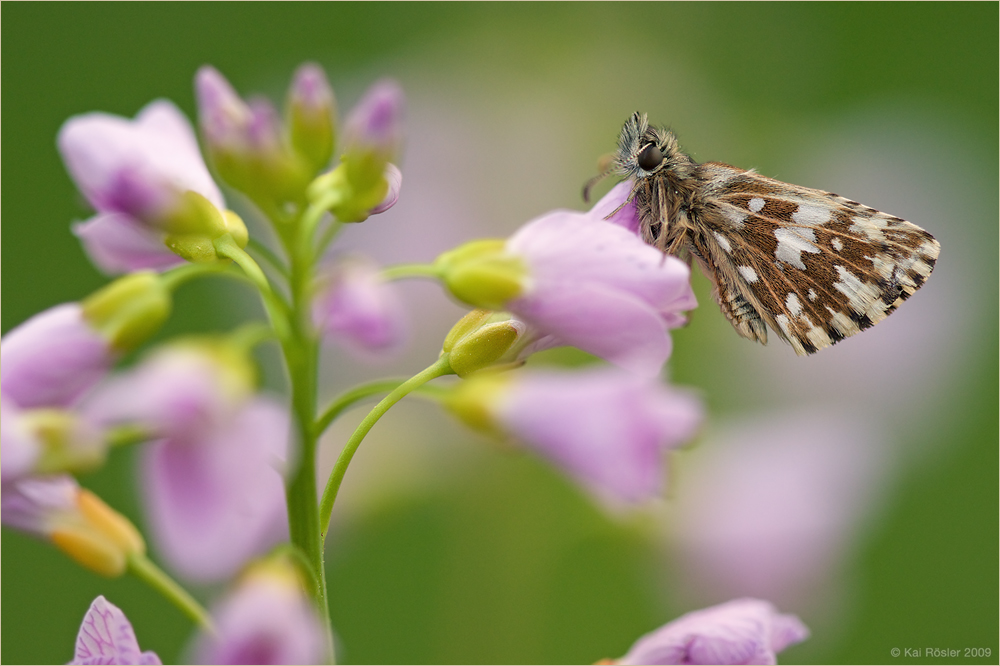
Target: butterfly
x,y
812,266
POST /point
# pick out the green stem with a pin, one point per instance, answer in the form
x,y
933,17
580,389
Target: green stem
x,y
277,310
402,271
440,368
175,277
267,255
143,568
351,396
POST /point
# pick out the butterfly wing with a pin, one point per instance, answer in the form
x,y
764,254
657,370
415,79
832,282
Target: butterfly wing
x,y
812,265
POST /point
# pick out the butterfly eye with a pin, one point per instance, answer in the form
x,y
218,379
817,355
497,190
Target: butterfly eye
x,y
650,157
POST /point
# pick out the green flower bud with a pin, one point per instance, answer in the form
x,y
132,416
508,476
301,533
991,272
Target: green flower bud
x,y
483,274
311,112
472,400
129,310
482,339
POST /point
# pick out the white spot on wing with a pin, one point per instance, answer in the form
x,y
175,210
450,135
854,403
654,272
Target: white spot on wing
x,y
749,274
755,205
723,241
811,215
837,245
812,295
792,242
793,304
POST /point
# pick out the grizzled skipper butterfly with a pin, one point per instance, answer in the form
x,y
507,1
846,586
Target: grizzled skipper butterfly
x,y
811,265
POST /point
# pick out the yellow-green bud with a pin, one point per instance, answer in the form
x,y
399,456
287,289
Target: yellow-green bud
x,y
348,201
97,536
129,310
481,339
483,274
472,401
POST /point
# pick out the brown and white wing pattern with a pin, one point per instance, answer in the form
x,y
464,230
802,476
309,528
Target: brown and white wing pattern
x,y
812,265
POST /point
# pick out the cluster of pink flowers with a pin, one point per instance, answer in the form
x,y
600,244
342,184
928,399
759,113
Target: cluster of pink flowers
x,y
219,456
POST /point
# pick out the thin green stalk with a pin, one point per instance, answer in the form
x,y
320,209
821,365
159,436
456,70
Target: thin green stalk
x,y
351,396
276,262
440,368
143,568
277,310
403,271
175,277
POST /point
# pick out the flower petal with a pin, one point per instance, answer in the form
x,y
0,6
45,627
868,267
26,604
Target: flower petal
x,y
616,326
117,243
52,358
213,504
613,208
736,632
106,637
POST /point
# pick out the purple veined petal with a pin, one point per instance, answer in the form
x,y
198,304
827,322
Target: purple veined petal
x,y
117,244
613,204
606,428
19,448
106,637
616,326
53,358
266,619
395,179
215,503
360,309
737,632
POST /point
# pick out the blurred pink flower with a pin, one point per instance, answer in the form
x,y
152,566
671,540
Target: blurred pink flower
x,y
134,173
599,288
743,631
357,307
212,479
606,428
265,619
53,358
769,507
20,448
106,637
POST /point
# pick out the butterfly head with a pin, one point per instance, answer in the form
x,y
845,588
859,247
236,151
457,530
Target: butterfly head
x,y
644,150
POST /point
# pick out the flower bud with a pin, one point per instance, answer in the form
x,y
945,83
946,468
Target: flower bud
x,y
483,274
246,143
75,520
482,339
373,134
311,115
129,310
352,205
473,401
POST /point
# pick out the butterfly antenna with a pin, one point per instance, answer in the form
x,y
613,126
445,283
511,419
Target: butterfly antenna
x,y
607,166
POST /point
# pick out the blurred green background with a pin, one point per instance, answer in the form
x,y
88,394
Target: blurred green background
x,y
450,551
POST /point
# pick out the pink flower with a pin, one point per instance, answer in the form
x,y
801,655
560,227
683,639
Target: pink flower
x,y
135,173
606,428
266,619
599,288
212,479
20,448
106,637
357,307
613,208
744,631
53,358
